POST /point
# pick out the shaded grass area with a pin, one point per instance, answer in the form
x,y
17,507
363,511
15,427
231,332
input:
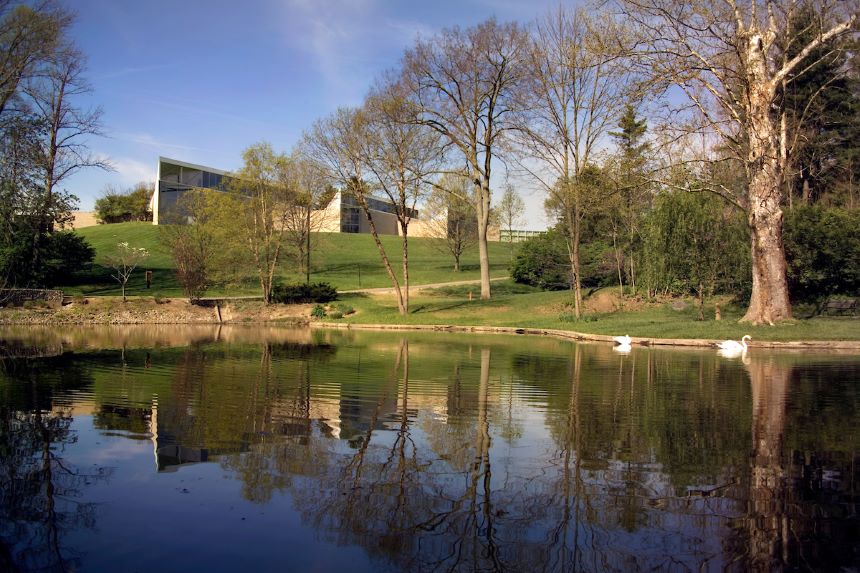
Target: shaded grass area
x,y
536,309
346,261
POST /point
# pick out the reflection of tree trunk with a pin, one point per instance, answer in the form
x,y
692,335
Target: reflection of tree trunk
x,y
567,558
769,526
483,450
399,448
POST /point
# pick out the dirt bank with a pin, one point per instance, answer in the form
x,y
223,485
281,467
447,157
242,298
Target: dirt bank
x,y
148,310
850,346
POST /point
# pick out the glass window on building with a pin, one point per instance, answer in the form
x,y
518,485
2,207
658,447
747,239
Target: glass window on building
x,y
169,172
349,219
193,177
212,180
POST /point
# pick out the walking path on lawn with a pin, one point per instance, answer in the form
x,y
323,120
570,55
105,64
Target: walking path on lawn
x,y
413,288
376,290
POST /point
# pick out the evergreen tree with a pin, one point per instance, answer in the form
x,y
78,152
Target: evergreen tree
x,y
632,193
821,104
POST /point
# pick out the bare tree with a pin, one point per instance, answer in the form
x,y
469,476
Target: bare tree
x,y
569,101
123,260
192,238
462,82
723,55
62,147
449,214
401,153
337,142
306,216
510,210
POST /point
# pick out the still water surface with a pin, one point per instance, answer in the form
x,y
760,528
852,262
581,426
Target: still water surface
x,y
265,449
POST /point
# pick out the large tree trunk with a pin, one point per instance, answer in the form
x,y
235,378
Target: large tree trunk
x,y
574,229
404,228
769,301
483,213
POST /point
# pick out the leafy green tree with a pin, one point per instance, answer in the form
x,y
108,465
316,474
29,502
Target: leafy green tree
x,y
821,109
42,139
695,244
822,246
66,255
264,199
122,206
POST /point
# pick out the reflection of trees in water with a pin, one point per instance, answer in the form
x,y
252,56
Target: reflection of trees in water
x,y
228,401
802,505
627,484
39,491
652,460
278,411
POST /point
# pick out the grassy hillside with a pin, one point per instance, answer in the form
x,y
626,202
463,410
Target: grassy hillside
x,y
347,261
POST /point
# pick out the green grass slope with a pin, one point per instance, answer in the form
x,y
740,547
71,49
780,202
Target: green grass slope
x,y
347,261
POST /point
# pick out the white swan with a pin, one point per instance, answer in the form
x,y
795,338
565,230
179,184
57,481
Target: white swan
x,y
734,345
622,340
622,348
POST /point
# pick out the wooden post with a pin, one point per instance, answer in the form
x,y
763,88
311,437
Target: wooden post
x,y
717,315
148,279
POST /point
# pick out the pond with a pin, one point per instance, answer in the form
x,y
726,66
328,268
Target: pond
x,y
177,448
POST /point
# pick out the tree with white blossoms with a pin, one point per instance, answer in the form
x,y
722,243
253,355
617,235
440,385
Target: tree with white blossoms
x,y
123,260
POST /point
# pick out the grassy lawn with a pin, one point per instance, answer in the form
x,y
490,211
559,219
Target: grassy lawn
x,y
514,305
347,261
352,261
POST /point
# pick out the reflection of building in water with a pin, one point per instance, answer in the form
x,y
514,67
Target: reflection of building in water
x,y
168,454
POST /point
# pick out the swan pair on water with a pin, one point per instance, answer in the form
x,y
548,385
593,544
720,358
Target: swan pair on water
x,y
728,348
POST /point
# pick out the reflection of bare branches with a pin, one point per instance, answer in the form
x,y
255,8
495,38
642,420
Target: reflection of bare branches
x,y
39,491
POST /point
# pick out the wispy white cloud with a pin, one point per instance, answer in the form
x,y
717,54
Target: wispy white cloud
x,y
349,41
195,107
150,140
133,70
130,171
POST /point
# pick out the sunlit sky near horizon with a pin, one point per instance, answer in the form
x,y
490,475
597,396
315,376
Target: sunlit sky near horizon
x,y
199,80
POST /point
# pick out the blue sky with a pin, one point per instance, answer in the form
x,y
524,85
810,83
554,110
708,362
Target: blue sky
x,y
201,80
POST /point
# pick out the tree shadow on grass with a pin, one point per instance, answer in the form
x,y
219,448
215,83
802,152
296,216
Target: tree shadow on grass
x,y
430,308
98,281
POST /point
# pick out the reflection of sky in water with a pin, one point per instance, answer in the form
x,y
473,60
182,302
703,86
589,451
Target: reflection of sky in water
x,y
591,460
182,521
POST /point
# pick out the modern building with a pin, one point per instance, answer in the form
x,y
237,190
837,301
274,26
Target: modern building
x,y
517,235
342,215
177,177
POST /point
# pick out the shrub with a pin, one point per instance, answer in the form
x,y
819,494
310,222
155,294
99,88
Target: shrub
x,y
318,311
304,293
160,298
336,314
344,309
80,299
542,261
